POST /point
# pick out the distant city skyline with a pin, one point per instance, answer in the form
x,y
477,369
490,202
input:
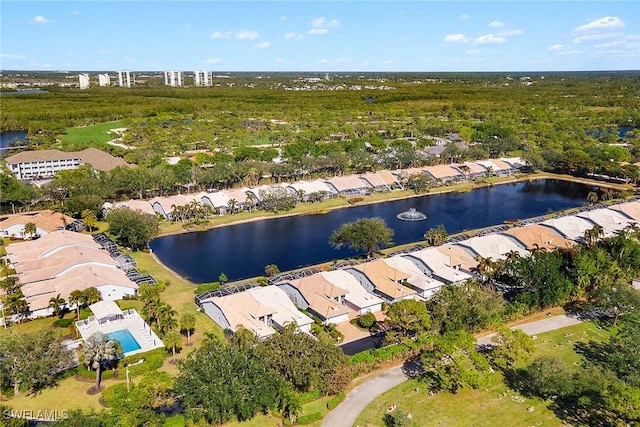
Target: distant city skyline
x,y
323,36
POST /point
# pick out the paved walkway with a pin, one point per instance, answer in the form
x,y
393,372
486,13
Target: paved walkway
x,y
346,413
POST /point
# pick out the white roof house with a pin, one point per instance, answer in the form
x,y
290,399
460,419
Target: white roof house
x,y
494,246
437,264
218,199
572,227
425,285
285,311
610,220
357,297
349,185
630,209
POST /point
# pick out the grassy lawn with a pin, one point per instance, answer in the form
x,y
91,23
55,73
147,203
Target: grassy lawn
x,y
494,404
95,133
179,294
69,394
269,420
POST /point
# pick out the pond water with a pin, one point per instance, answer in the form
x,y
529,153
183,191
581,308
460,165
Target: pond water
x,y
243,250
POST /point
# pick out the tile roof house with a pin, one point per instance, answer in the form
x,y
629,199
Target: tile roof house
x,y
311,188
381,181
45,221
533,235
630,209
443,172
357,298
319,296
142,206
434,263
570,226
425,285
61,262
470,170
259,310
380,278
349,185
610,220
495,246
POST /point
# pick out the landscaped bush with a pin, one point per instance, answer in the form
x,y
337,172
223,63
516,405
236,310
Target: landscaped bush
x,y
309,418
206,287
63,323
175,421
365,321
355,200
152,360
335,401
85,372
110,394
309,396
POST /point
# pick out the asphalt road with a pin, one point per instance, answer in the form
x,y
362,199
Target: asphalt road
x,y
346,413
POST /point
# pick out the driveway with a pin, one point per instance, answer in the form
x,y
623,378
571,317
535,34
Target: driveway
x,y
346,413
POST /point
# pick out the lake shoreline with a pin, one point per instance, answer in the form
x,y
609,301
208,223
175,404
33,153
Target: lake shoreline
x,y
450,189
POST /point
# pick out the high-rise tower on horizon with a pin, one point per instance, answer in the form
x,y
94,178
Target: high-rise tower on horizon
x,y
202,78
173,78
126,79
83,80
104,79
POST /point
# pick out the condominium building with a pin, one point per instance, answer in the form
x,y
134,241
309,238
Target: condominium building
x,y
202,78
46,163
83,80
173,78
104,79
126,79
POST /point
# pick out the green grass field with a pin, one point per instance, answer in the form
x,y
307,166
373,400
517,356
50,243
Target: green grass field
x,y
96,133
494,404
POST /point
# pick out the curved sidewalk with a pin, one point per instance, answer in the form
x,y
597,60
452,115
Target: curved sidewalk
x,y
346,413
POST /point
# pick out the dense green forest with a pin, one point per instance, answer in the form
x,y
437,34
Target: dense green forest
x,y
230,134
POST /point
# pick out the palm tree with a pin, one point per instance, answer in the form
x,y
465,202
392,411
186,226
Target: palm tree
x,y
172,339
512,255
436,236
592,235
96,351
592,197
91,295
77,297
166,318
56,303
89,219
17,304
485,267
30,229
232,205
188,324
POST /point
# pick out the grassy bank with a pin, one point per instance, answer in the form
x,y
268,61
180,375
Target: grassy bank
x,y
99,133
491,405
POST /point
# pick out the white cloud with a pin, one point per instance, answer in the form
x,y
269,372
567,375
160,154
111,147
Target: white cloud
x,y
507,33
474,52
283,18
489,39
496,24
247,35
12,56
317,31
604,23
343,61
323,61
322,22
221,35
464,17
571,52
293,36
594,37
262,45
42,20
555,47
456,38
75,13
213,61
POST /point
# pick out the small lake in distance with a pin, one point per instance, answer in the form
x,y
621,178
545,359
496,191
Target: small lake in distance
x,y
243,250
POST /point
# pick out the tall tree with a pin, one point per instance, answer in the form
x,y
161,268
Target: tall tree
x,y
97,351
77,297
56,304
32,360
367,234
218,382
436,236
30,229
132,229
187,325
408,320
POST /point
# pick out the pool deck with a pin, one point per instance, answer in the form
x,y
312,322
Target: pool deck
x,y
131,321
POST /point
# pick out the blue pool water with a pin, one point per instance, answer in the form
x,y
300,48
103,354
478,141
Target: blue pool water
x,y
126,340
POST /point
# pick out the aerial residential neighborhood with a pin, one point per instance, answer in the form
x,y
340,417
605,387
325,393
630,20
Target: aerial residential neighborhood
x,y
323,214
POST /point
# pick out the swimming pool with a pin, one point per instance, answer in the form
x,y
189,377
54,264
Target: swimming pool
x,y
126,340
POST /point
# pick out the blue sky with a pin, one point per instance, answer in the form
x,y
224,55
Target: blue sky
x,y
320,35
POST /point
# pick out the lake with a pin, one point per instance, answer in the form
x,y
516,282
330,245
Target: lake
x,y
243,250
